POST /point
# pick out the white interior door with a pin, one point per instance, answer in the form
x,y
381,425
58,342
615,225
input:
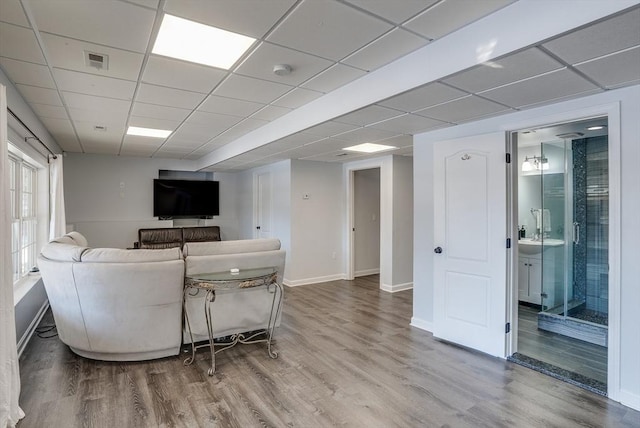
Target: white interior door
x,y
470,258
263,205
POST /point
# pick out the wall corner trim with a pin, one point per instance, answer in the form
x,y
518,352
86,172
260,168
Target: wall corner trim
x,y
422,324
397,287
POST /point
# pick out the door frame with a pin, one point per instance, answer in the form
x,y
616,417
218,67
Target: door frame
x,y
256,201
612,112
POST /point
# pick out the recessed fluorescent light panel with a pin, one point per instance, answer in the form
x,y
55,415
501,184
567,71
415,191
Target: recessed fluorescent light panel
x,y
369,148
190,41
148,132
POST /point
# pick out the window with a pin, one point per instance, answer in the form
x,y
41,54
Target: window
x,y
24,221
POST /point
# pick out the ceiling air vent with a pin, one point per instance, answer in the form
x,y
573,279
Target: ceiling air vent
x,y
96,60
100,128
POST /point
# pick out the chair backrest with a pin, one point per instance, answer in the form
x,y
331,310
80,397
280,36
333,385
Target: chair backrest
x,y
201,234
160,238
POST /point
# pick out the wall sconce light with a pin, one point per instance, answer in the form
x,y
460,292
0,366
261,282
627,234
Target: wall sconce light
x,y
535,162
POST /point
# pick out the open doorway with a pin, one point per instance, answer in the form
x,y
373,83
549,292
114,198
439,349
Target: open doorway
x,y
563,251
366,222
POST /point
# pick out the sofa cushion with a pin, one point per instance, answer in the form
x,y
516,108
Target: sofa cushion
x,y
230,247
116,255
62,251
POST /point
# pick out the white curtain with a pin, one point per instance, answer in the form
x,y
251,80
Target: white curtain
x,y
10,412
58,226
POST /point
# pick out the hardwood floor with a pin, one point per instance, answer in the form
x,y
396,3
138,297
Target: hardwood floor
x,y
347,357
574,355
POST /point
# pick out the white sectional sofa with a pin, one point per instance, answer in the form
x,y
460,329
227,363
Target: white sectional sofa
x,y
233,311
126,305
112,304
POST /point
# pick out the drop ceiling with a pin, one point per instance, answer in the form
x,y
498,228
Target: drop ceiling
x,y
327,43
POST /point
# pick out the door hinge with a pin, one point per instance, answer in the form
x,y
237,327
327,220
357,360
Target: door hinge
x,y
508,242
507,328
508,157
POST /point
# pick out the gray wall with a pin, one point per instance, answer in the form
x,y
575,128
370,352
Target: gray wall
x,y
108,198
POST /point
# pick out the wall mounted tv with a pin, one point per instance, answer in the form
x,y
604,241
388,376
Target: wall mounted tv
x,y
185,198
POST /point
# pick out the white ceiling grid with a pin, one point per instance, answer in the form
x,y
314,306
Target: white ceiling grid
x,y
43,46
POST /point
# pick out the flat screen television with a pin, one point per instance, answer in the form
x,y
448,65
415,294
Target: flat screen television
x,y
185,198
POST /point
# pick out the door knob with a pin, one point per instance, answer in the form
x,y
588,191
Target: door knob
x,y
437,250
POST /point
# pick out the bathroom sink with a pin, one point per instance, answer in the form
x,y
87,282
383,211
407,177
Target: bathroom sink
x,y
530,246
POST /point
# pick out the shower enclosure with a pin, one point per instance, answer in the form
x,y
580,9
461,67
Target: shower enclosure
x,y
573,218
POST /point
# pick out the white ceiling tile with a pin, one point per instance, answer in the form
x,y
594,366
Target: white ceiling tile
x,y
451,15
149,122
159,112
98,116
542,89
294,140
19,43
152,4
101,148
137,142
230,106
170,155
615,34
463,109
410,124
422,97
371,114
249,17
12,13
386,49
90,84
33,94
337,29
334,77
111,135
205,118
614,70
98,104
328,129
63,132
136,152
240,129
396,11
250,89
160,95
271,113
70,54
512,68
181,75
95,21
203,132
296,98
45,110
303,66
27,73
398,141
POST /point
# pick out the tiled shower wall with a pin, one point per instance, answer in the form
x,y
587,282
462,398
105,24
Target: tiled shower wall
x,y
591,211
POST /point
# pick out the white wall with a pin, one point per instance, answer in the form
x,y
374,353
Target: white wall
x,y
366,207
108,198
627,100
316,222
281,204
402,277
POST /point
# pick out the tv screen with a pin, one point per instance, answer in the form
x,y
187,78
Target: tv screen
x,y
185,198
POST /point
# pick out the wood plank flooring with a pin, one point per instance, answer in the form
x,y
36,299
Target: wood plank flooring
x,y
565,352
347,358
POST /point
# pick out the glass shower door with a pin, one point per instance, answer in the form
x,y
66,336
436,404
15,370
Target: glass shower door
x,y
554,225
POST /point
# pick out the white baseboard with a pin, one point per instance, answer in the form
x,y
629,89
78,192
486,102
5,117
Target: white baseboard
x,y
422,324
307,281
366,272
397,287
630,399
26,337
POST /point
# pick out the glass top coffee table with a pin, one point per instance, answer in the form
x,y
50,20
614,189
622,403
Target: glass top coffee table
x,y
232,280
